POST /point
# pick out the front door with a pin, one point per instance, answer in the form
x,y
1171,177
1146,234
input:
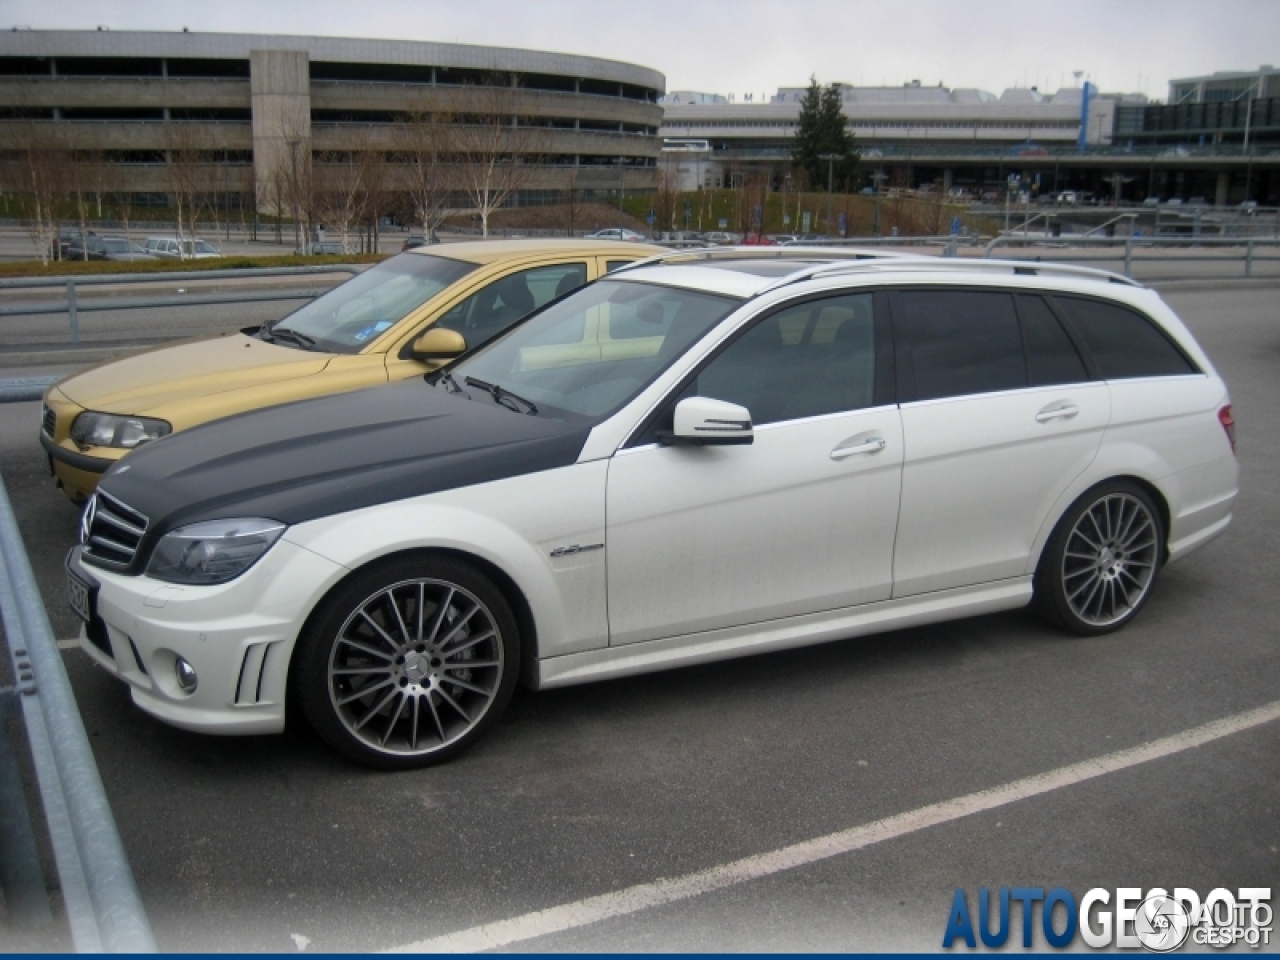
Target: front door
x,y
800,521
495,307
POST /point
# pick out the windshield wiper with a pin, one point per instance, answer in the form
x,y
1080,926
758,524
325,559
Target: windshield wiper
x,y
503,396
284,333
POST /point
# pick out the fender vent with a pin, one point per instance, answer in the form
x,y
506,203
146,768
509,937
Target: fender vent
x,y
252,669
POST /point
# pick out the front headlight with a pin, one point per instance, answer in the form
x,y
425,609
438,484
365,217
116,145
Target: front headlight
x,y
111,430
214,551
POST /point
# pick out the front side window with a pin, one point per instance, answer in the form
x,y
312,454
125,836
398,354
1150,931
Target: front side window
x,y
487,312
1123,343
350,316
804,361
952,343
570,357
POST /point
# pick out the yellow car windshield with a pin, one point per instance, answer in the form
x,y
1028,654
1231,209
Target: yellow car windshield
x,y
350,316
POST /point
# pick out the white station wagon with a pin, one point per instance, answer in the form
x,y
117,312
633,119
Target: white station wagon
x,y
717,454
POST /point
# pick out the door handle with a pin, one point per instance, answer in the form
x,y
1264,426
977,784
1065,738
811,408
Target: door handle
x,y
1057,411
870,445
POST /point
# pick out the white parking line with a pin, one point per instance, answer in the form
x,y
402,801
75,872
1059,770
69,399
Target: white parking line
x,y
73,644
646,895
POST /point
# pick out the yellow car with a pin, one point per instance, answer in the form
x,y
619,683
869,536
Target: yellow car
x,y
372,329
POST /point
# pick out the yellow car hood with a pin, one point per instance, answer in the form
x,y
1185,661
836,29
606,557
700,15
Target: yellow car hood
x,y
148,381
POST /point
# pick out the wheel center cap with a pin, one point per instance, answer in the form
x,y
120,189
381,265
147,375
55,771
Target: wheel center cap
x,y
416,667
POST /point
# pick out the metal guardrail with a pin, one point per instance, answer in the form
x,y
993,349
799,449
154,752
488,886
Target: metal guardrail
x,y
1241,250
103,908
73,307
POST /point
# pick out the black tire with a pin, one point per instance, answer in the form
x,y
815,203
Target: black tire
x,y
1102,561
408,662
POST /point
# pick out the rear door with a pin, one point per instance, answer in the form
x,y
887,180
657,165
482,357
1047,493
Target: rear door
x,y
999,416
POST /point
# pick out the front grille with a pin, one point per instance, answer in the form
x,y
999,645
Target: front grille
x,y
112,532
48,420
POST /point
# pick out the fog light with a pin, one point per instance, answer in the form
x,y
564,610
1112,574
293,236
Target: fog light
x,y
186,675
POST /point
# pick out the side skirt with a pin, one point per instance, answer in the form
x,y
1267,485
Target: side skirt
x,y
782,634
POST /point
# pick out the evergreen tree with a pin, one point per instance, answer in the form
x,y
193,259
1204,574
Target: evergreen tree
x,y
821,130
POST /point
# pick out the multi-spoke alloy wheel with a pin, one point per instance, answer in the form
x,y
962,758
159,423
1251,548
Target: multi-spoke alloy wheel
x,y
414,661
1102,560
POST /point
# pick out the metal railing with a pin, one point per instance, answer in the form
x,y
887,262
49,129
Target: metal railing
x,y
1245,251
103,908
73,307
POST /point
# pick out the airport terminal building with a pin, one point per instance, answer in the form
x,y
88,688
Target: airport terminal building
x,y
253,105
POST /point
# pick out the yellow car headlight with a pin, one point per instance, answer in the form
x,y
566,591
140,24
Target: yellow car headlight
x,y
92,429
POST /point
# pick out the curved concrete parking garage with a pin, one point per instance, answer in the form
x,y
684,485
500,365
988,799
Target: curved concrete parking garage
x,y
252,105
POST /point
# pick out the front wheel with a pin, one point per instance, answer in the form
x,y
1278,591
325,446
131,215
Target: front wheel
x,y
1102,561
409,663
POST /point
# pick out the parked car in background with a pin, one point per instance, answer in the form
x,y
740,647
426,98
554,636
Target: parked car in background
x,y
720,238
65,239
173,248
123,249
678,464
616,233
412,242
398,319
325,248
759,240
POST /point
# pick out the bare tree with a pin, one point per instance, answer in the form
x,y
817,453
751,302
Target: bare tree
x,y
341,192
424,143
666,199
84,183
186,178
36,173
496,153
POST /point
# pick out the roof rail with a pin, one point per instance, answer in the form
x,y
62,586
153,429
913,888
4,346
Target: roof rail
x,y
934,264
826,254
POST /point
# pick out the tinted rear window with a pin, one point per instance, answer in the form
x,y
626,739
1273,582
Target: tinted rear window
x,y
1122,342
956,342
1051,356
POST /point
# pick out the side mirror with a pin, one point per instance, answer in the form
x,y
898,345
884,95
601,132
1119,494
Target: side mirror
x,y
703,421
438,344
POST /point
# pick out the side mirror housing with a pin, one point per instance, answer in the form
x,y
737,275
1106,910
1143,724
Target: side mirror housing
x,y
703,421
438,344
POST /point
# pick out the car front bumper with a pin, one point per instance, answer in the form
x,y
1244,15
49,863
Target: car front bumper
x,y
238,637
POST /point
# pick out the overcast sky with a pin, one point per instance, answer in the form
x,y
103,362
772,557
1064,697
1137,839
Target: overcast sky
x,y
755,46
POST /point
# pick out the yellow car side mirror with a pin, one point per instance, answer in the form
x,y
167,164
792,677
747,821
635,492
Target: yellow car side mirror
x,y
439,344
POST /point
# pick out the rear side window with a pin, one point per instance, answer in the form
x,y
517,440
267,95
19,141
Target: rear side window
x,y
1051,356
1122,342
952,343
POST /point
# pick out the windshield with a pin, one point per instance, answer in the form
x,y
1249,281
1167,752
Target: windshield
x,y
116,246
199,246
594,350
349,316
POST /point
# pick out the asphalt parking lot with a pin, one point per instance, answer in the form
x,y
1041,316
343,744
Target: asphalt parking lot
x,y
277,843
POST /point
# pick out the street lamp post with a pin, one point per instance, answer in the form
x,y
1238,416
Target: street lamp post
x,y
831,158
877,178
293,154
620,161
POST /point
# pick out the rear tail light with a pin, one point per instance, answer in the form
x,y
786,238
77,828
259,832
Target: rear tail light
x,y
1228,424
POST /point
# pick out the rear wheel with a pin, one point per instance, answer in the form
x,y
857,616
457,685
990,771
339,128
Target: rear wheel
x,y
409,663
1101,563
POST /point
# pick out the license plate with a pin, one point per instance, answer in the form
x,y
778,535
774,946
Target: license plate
x,y
80,598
